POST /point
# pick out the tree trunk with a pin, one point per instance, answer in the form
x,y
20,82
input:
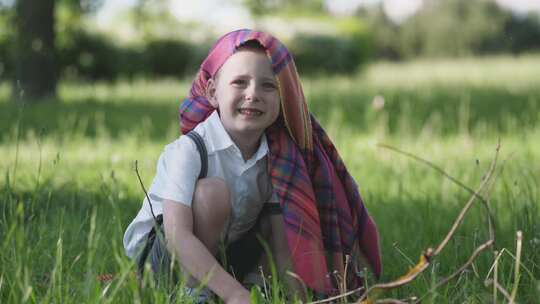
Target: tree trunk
x,y
36,73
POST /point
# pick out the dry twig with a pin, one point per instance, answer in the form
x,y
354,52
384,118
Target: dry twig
x,y
357,290
474,194
144,189
390,301
498,287
471,259
430,253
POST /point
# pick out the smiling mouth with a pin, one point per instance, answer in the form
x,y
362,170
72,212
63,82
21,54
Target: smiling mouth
x,y
250,112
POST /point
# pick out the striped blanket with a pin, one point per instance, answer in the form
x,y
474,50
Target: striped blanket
x,y
325,218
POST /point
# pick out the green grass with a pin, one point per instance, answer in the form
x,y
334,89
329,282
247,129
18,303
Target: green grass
x,y
68,187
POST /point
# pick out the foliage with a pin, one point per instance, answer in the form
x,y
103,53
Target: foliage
x,y
83,54
90,56
264,7
454,28
169,57
327,54
523,34
343,52
81,6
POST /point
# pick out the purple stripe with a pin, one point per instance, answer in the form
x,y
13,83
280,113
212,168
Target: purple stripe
x,y
282,64
278,53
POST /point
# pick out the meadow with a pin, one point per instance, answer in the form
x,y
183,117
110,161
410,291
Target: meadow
x,y
68,187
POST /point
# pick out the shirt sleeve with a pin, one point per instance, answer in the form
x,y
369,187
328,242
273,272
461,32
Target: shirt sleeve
x,y
177,172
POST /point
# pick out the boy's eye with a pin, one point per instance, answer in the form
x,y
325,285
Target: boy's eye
x,y
269,85
239,82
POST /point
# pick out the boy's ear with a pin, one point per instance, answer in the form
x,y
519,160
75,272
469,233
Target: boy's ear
x,y
211,92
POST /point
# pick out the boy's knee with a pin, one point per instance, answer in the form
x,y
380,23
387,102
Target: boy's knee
x,y
212,197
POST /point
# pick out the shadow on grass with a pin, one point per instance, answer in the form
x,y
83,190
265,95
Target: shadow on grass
x,y
90,118
441,110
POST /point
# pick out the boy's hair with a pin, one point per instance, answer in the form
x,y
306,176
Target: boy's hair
x,y
251,45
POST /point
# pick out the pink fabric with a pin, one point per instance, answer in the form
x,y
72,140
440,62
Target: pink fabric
x,y
324,216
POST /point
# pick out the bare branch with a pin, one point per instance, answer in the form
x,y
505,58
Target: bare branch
x,y
430,253
339,296
396,301
467,206
434,167
390,301
297,277
499,288
422,265
426,257
144,189
471,259
474,194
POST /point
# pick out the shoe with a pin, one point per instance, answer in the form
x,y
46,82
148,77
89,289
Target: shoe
x,y
199,295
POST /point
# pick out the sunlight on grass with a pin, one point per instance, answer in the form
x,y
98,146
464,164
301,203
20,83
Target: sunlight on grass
x,y
68,187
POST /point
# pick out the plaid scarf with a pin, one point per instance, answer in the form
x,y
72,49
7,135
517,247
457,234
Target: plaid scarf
x,y
324,216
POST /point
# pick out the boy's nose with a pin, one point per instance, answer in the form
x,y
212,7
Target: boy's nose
x,y
252,93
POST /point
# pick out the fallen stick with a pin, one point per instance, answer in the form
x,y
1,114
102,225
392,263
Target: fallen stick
x,y
425,260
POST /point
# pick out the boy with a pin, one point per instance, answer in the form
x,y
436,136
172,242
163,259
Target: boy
x,y
263,149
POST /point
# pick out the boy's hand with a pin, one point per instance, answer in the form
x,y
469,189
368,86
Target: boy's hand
x,y
240,297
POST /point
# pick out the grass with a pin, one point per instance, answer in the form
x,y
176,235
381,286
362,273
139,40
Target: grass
x,y
68,187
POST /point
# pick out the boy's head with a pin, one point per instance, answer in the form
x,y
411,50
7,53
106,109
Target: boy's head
x,y
205,95
245,91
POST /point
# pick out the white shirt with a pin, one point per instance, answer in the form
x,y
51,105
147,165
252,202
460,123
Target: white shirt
x,y
178,169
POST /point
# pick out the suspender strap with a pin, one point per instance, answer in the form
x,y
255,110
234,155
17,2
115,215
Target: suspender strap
x,y
202,152
148,246
152,235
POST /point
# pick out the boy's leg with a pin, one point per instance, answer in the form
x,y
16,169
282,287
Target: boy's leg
x,y
247,255
258,269
211,209
243,256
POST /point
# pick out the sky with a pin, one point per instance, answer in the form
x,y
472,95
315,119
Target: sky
x,y
230,15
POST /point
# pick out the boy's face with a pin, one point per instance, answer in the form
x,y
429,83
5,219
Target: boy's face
x,y
246,93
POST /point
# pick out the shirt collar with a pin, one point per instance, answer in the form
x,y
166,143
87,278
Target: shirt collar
x,y
219,139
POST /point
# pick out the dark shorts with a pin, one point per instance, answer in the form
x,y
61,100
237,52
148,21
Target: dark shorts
x,y
240,257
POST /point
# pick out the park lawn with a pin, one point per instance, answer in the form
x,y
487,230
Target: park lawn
x,y
68,187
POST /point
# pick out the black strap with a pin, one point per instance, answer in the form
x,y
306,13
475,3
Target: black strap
x,y
141,259
199,142
201,147
272,209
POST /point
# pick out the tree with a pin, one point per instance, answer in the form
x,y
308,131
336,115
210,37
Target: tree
x,y
35,63
450,28
34,52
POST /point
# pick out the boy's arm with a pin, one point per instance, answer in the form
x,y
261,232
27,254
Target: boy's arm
x,y
195,257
